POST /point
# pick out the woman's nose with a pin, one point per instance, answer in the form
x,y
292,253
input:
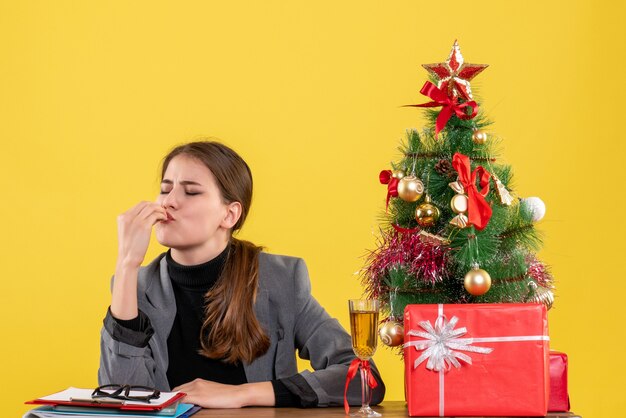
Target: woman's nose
x,y
170,200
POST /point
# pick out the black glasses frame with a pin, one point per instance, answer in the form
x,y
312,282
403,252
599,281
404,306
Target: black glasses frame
x,y
123,392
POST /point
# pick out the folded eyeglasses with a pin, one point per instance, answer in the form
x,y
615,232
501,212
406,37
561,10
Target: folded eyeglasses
x,y
124,392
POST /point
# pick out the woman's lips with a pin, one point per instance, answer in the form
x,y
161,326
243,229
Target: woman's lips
x,y
169,217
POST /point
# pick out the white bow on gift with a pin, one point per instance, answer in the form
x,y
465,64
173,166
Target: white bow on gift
x,y
442,345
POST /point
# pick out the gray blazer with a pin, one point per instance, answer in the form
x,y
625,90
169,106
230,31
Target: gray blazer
x,y
286,309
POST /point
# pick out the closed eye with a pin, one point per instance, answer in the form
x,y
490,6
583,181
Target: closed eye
x,y
187,193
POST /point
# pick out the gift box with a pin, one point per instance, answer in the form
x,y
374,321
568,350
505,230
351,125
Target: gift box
x,y
476,359
559,398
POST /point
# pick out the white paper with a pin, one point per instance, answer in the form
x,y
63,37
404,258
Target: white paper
x,y
75,393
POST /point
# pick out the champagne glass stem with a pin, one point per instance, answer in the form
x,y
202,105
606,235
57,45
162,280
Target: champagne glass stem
x,y
365,389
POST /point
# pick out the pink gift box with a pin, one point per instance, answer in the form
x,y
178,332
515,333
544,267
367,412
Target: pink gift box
x,y
559,398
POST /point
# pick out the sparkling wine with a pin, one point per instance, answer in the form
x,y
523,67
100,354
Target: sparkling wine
x,y
363,325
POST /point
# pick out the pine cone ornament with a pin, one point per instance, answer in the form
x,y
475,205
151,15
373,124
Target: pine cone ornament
x,y
444,167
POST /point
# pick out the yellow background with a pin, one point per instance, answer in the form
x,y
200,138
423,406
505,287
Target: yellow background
x,y
93,94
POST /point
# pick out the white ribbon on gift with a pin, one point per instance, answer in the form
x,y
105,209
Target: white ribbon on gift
x,y
442,347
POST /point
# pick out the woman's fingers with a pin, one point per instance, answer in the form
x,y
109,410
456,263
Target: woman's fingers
x,y
186,386
210,394
151,214
148,210
192,399
180,388
135,228
158,214
132,212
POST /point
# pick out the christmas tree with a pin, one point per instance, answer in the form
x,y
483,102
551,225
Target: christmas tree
x,y
453,230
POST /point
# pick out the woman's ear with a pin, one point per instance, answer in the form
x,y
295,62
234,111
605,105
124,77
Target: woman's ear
x,y
233,213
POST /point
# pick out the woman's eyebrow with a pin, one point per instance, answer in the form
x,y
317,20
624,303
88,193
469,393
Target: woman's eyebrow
x,y
184,182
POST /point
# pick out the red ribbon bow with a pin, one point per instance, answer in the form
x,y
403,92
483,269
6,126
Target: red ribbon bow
x,y
386,177
352,371
478,210
450,105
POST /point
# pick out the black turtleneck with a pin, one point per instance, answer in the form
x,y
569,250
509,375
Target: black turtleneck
x,y
190,284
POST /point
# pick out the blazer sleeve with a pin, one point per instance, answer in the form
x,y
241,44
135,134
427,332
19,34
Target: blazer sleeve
x,y
322,340
125,356
123,363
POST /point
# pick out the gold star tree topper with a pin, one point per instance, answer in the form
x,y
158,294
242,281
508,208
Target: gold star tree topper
x,y
455,74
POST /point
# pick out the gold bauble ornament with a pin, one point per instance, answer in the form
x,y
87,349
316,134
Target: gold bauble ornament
x,y
397,174
477,281
410,188
479,137
459,203
426,214
391,333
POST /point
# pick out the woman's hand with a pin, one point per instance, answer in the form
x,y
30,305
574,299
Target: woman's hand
x,y
209,394
134,228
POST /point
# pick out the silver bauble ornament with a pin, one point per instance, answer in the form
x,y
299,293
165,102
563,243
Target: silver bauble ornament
x,y
536,207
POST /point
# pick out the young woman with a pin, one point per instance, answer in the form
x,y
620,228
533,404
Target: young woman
x,y
214,316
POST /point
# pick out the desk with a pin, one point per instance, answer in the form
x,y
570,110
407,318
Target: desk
x,y
392,409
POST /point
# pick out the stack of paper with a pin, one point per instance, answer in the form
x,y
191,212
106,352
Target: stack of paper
x,y
78,403
183,410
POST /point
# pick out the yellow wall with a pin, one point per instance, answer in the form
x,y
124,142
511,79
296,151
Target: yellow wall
x,y
92,94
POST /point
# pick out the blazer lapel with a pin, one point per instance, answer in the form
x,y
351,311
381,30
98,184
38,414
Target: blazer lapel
x,y
260,370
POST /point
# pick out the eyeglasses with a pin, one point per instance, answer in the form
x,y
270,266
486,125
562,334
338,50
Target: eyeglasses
x,y
124,392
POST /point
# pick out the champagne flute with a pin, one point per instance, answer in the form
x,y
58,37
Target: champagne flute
x,y
363,328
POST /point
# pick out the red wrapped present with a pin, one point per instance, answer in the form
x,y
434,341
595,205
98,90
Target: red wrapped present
x,y
559,398
476,359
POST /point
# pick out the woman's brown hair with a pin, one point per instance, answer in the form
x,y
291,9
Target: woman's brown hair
x,y
230,331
